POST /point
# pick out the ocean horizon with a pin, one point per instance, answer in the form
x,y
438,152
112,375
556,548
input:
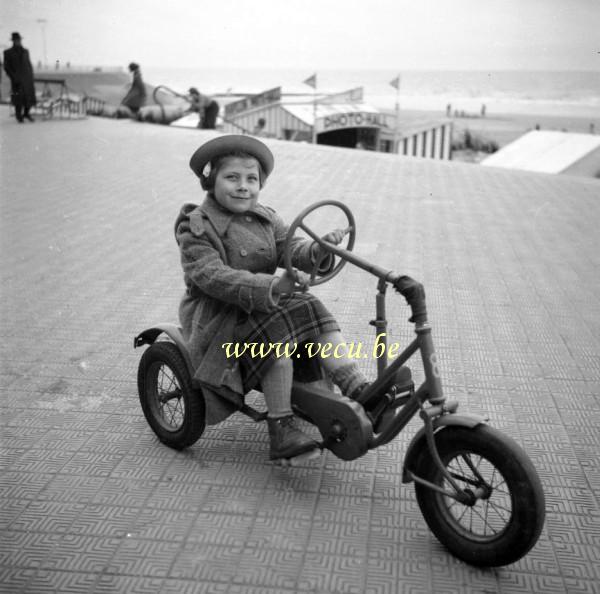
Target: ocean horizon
x,y
558,93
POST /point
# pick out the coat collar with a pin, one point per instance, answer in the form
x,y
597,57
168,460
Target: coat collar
x,y
221,217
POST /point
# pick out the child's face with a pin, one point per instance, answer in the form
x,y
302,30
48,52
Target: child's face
x,y
237,184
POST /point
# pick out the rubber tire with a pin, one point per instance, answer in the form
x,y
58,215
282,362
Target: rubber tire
x,y
166,354
526,521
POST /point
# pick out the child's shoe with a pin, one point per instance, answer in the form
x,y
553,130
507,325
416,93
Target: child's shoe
x,y
287,440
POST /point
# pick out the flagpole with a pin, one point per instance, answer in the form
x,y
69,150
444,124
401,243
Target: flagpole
x,y
396,148
311,81
314,129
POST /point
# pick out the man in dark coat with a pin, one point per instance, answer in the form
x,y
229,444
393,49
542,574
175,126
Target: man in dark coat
x,y
18,67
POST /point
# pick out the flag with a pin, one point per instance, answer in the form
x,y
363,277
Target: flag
x,y
396,83
311,81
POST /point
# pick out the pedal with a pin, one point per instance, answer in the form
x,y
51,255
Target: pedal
x,y
403,381
298,460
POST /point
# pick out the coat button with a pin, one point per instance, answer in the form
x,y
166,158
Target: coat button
x,y
249,218
243,252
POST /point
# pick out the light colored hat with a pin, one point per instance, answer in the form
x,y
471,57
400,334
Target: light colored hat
x,y
231,143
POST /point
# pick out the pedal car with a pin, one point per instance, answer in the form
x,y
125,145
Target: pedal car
x,y
477,489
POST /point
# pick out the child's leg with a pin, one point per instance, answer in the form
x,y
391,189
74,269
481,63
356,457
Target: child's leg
x,y
345,373
287,440
277,387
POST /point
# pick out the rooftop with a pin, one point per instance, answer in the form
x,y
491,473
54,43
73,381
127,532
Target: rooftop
x,y
545,151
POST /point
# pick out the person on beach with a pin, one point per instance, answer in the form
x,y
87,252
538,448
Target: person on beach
x,y
259,129
206,108
20,72
230,247
136,96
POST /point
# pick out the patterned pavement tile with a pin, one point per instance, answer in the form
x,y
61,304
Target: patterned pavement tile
x,y
268,567
14,580
222,529
91,501
74,552
332,573
206,562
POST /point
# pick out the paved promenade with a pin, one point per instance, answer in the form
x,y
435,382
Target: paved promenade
x,y
91,502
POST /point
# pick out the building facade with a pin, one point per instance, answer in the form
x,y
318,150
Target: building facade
x,y
341,120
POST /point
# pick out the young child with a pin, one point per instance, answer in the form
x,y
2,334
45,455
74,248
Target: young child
x,y
231,246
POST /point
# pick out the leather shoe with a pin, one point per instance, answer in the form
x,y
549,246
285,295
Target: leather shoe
x,y
287,440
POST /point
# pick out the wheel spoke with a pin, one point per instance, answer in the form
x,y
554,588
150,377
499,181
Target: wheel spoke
x,y
308,231
170,402
498,507
488,516
474,468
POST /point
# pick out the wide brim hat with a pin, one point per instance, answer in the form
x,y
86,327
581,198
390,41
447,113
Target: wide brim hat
x,y
232,143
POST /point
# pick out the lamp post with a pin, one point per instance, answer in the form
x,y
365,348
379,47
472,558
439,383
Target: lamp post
x,y
42,23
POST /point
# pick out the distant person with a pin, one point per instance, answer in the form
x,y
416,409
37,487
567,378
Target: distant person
x,y
449,110
196,104
259,129
206,108
136,96
483,108
20,71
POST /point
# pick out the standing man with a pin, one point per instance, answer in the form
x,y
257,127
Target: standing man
x,y
18,67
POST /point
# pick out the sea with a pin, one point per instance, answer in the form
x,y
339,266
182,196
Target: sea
x,y
552,93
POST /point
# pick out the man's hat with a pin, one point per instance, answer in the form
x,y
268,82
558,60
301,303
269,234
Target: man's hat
x,y
231,143
15,37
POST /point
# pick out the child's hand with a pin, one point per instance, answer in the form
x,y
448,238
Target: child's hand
x,y
336,236
286,283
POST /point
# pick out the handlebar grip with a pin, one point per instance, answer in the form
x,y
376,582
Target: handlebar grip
x,y
414,293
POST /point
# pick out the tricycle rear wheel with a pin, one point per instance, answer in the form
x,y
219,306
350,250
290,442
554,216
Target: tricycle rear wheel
x,y
173,408
505,519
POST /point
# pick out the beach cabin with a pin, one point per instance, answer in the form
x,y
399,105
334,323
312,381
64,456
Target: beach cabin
x,y
339,119
550,151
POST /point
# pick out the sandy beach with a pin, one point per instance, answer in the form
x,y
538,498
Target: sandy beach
x,y
506,128
503,129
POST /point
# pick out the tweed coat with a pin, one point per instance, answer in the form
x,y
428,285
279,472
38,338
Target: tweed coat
x,y
18,67
229,262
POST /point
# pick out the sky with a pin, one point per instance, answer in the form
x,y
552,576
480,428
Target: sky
x,y
310,34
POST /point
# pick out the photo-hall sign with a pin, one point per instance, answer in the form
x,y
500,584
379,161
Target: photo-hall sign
x,y
351,119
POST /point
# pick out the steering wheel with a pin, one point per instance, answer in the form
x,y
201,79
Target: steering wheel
x,y
299,223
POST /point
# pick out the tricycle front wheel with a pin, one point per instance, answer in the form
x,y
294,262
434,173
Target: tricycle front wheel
x,y
173,408
505,516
